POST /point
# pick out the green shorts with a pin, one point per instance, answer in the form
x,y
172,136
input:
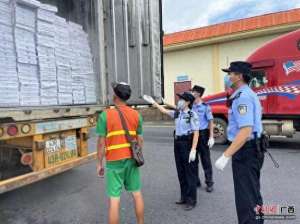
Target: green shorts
x,y
122,173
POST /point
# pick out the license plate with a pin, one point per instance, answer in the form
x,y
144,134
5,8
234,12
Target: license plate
x,y
58,150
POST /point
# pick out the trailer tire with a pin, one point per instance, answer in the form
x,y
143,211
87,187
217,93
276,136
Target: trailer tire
x,y
220,131
10,165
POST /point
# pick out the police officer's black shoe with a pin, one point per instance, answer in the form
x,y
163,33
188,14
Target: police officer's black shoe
x,y
209,189
180,202
189,207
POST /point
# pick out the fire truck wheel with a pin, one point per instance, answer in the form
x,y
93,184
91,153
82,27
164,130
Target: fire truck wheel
x,y
220,130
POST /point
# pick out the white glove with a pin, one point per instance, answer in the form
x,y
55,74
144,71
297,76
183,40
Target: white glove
x,y
149,99
163,100
192,156
211,142
222,162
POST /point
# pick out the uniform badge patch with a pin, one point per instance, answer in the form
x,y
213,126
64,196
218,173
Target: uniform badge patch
x,y
242,109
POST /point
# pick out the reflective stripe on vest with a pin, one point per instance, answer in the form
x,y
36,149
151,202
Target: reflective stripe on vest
x,y
120,132
118,146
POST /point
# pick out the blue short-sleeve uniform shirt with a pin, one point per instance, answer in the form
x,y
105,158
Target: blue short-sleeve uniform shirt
x,y
245,111
186,123
204,113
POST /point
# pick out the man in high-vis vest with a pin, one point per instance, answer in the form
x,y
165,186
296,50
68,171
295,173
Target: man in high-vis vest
x,y
120,170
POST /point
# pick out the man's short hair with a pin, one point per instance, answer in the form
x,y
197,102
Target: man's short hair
x,y
122,90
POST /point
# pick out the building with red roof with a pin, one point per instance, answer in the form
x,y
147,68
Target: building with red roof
x,y
196,56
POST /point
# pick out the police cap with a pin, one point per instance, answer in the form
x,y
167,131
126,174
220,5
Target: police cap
x,y
198,89
242,67
187,97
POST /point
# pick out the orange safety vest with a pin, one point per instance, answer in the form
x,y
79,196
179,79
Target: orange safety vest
x,y
117,147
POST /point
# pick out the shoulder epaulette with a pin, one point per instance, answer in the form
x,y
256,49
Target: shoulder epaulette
x,y
237,96
176,115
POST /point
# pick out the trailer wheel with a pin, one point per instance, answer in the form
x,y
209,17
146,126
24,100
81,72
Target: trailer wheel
x,y
220,130
10,165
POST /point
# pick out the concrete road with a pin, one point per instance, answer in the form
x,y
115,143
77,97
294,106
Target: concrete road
x,y
77,196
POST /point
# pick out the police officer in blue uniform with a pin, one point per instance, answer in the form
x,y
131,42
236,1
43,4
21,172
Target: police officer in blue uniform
x,y
244,132
185,145
206,136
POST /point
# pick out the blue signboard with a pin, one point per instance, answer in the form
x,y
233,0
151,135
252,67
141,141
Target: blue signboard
x,y
182,78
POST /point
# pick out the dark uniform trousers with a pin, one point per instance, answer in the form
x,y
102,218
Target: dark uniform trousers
x,y
204,153
187,173
246,166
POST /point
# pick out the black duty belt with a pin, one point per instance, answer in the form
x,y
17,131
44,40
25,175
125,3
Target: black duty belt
x,y
184,137
251,142
204,131
257,143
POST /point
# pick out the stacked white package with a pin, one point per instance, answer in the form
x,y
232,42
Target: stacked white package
x,y
78,96
63,66
9,84
30,3
46,59
25,34
29,84
5,13
76,62
5,1
64,79
28,73
63,52
27,64
82,62
25,17
9,93
47,13
65,98
25,47
48,93
90,89
46,54
78,92
45,28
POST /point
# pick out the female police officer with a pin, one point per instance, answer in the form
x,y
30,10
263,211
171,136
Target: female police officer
x,y
244,131
185,144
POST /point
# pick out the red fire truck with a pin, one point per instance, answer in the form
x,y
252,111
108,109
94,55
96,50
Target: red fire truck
x,y
276,80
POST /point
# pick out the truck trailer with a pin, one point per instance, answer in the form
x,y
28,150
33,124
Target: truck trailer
x,y
57,60
275,77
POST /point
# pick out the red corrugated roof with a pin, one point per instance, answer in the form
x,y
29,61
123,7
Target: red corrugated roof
x,y
242,25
